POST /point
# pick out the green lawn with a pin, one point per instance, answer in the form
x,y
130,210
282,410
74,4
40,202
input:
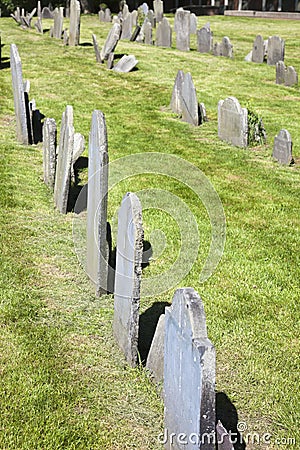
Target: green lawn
x,y
63,381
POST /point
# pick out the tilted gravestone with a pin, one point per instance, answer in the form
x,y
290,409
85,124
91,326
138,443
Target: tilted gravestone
x,y
49,152
111,41
282,150
19,97
189,374
151,18
182,29
286,75
126,64
275,53
97,247
204,40
175,104
158,6
128,276
58,17
134,17
74,31
164,34
258,50
107,15
39,10
64,161
96,49
233,122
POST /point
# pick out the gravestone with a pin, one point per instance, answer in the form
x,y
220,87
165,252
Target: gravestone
x,y
135,33
101,15
148,33
74,31
291,76
96,49
280,72
97,247
39,26
111,41
155,358
189,374
158,6
78,147
107,15
258,50
47,13
224,48
125,11
125,64
164,33
128,276
58,22
64,161
134,18
182,29
193,23
65,37
110,60
189,102
151,18
126,27
275,50
282,150
19,97
49,152
39,10
232,122
204,40
176,100
144,8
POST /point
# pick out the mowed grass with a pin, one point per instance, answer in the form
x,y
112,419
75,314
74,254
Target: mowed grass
x,y
64,382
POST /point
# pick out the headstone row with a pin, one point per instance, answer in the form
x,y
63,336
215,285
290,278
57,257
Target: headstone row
x,y
270,50
286,75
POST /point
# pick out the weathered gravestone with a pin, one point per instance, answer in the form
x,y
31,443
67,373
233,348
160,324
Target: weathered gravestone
x,y
182,29
285,75
19,97
39,10
126,27
193,23
189,374
155,358
47,13
65,37
134,17
189,102
275,50
224,48
110,60
49,152
204,39
97,247
151,18
148,33
258,50
282,150
126,64
107,15
64,161
158,6
164,33
96,49
58,17
128,276
135,33
74,31
232,122
111,41
101,15
175,104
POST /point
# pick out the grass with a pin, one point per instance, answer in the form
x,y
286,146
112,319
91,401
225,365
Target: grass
x,y
63,382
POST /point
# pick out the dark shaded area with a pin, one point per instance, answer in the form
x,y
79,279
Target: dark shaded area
x,y
226,412
5,63
147,254
28,118
147,326
86,44
37,126
75,188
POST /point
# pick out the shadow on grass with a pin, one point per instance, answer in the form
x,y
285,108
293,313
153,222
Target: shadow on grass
x,y
86,44
226,412
5,63
75,188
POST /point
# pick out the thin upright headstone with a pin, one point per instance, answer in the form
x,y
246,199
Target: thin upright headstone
x,y
128,276
46,13
151,18
189,374
158,7
96,49
111,41
64,161
282,150
39,10
148,33
164,33
233,122
275,53
182,29
107,15
291,76
258,50
101,15
126,27
49,152
189,102
38,25
204,40
18,93
134,17
74,31
176,99
97,247
58,22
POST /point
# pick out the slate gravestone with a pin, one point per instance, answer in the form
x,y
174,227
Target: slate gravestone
x,y
110,60
258,50
286,75
193,23
232,122
189,102
158,6
74,31
155,358
204,40
134,17
126,64
49,152
148,33
19,98
280,72
164,33
111,41
126,27
189,373
128,276
39,10
224,48
64,161
101,15
176,100
151,18
107,15
275,50
97,247
282,150
96,49
182,29
65,37
46,13
58,22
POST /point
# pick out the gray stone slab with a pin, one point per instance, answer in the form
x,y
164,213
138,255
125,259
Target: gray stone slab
x,y
282,150
182,29
74,30
280,72
110,60
126,27
58,23
291,76
111,41
226,47
155,359
189,374
19,97
107,15
128,276
101,15
204,40
126,64
39,10
193,23
47,13
189,102
164,33
233,122
276,47
79,145
151,18
97,247
96,49
65,37
158,6
135,33
258,50
49,152
64,161
148,33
